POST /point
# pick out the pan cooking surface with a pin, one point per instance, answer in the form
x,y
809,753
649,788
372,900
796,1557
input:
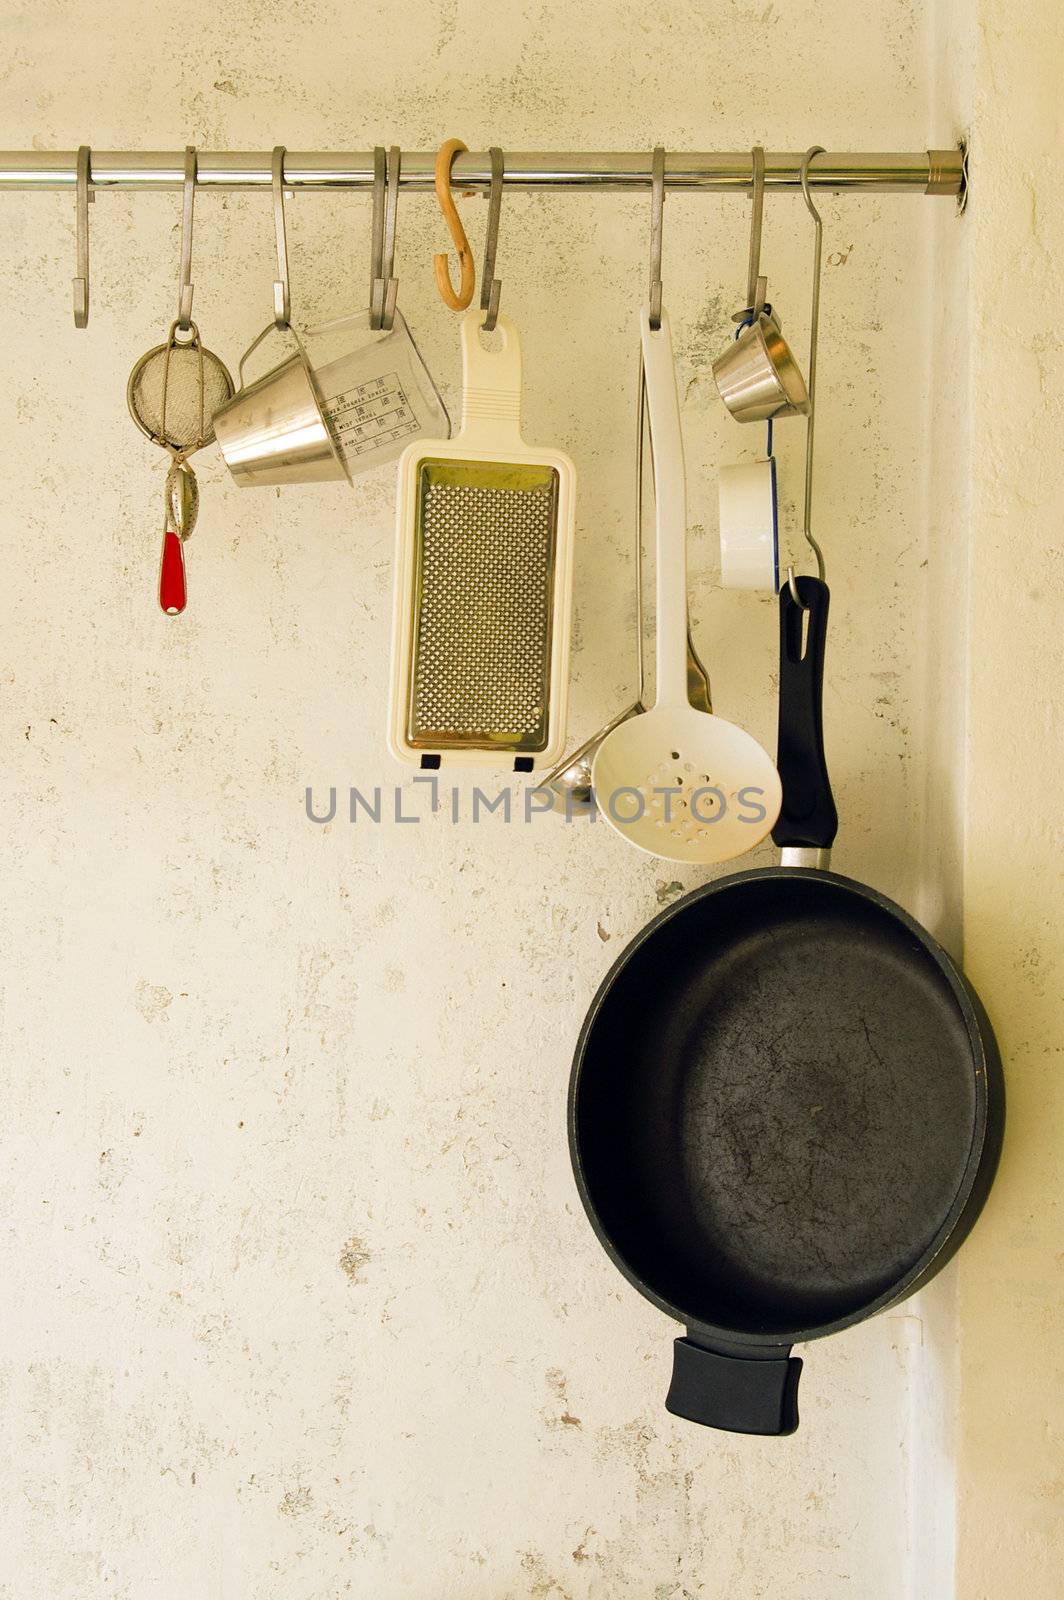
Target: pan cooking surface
x,y
777,1106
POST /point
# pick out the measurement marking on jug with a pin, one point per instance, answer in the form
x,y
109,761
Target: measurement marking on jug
x,y
371,414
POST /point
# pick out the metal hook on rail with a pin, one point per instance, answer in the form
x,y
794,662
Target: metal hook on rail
x,y
184,281
657,210
490,285
384,287
814,330
376,228
282,297
756,285
85,197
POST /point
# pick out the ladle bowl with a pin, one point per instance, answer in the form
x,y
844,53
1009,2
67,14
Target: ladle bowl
x,y
689,786
569,785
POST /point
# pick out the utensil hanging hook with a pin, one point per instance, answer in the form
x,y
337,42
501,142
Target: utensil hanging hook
x,y
756,285
376,234
184,282
282,298
657,210
391,210
460,300
384,286
490,285
814,330
86,195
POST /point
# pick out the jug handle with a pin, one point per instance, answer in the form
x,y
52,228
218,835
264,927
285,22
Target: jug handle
x,y
271,327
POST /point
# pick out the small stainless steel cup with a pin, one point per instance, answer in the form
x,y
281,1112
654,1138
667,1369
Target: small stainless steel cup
x,y
273,431
758,377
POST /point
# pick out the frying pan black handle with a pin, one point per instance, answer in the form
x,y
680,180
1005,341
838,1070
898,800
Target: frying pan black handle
x,y
734,1393
808,815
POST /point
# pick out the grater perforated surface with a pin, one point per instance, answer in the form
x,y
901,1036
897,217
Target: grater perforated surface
x,y
486,539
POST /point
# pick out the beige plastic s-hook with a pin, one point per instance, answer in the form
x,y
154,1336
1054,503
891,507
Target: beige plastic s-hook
x,y
457,302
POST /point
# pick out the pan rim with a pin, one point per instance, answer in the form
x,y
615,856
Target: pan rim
x,y
950,1233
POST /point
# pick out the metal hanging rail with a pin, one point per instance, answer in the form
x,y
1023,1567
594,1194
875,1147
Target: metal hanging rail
x,y
938,172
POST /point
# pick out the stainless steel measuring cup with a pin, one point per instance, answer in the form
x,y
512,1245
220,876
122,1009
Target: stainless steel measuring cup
x,y
757,375
273,431
356,390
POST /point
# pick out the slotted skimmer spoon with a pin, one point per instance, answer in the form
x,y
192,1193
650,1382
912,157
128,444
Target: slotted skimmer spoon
x,y
678,782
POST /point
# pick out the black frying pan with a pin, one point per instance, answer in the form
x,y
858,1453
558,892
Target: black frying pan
x,y
786,1103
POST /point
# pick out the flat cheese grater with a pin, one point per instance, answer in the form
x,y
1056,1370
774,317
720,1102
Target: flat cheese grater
x,y
483,581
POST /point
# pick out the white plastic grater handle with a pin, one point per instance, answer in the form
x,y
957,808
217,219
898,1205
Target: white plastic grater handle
x,y
491,386
670,505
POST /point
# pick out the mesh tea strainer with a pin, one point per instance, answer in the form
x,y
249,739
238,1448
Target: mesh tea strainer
x,y
173,392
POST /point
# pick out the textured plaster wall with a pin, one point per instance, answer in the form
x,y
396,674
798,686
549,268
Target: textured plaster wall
x,y
1011,1432
298,1298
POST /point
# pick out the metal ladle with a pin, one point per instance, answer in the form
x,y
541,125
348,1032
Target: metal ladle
x,y
569,783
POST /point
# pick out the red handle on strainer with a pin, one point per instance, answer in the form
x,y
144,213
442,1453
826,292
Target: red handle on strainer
x,y
172,575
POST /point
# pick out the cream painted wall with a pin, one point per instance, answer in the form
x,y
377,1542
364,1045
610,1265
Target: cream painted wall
x,y
300,1300
1011,1427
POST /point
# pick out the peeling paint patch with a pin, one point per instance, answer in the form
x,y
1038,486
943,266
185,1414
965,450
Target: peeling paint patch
x,y
353,1257
542,1582
558,1385
152,1000
296,1503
